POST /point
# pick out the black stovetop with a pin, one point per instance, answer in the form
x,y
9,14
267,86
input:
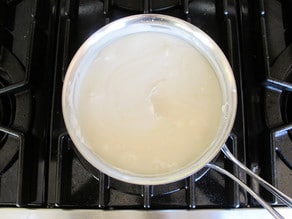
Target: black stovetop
x,y
38,166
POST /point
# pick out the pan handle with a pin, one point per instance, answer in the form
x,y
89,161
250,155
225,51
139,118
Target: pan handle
x,y
270,209
280,195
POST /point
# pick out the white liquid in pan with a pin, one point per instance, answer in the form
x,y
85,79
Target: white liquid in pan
x,y
149,104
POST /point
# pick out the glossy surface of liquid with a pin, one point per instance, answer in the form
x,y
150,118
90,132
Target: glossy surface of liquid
x,y
149,104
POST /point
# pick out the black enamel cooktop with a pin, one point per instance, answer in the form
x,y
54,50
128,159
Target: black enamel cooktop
x,y
38,166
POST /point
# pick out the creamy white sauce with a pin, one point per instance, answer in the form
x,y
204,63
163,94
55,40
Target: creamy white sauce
x,y
150,103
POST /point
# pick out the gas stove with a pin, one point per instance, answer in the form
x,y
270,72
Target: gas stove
x,y
38,166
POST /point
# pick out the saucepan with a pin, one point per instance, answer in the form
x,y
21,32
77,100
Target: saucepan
x,y
209,49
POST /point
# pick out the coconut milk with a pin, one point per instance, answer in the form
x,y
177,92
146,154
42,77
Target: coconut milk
x,y
149,104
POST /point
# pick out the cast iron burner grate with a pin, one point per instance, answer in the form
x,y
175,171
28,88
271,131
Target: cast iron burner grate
x,y
24,100
268,98
279,89
74,184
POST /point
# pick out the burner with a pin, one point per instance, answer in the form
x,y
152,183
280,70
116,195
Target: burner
x,y
278,100
6,110
6,36
288,108
14,107
278,92
146,5
286,112
11,70
287,100
7,13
